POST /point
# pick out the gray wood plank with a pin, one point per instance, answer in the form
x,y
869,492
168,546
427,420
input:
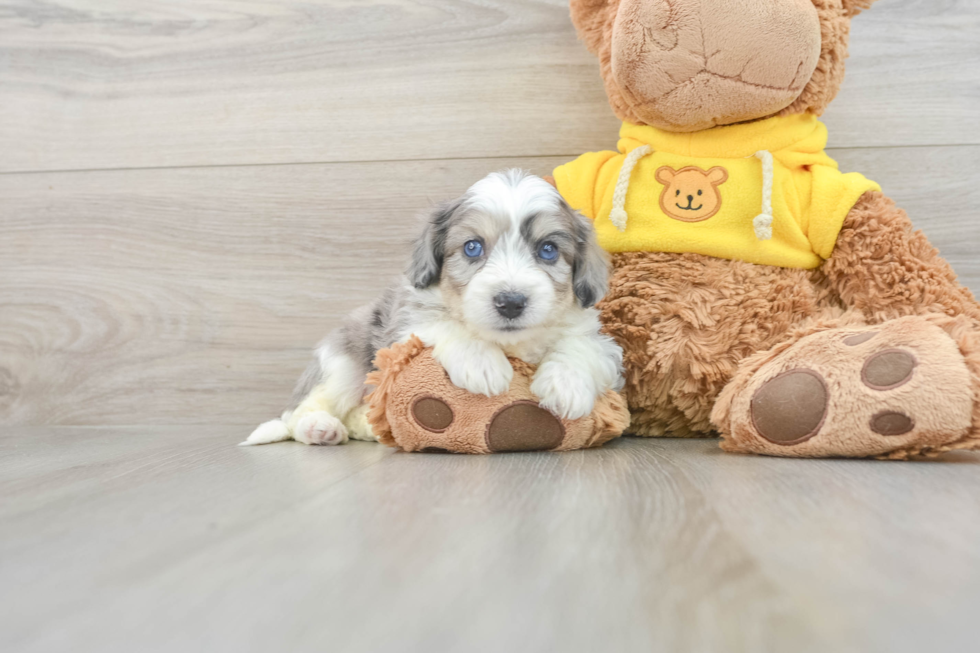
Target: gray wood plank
x,y
193,296
887,545
213,82
174,539
904,83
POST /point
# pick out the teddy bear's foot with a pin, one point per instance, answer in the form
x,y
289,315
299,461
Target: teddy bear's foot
x,y
415,406
897,389
477,424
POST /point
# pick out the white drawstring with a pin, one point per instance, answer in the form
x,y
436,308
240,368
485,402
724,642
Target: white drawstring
x,y
763,221
618,214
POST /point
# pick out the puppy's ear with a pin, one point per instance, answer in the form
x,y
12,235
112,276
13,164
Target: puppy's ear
x,y
590,269
429,251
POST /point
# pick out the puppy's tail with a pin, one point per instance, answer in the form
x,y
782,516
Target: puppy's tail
x,y
275,430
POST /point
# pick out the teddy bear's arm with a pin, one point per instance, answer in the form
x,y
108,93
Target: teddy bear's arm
x,y
885,268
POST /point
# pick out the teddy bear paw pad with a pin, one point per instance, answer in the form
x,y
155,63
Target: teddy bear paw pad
x,y
889,423
901,387
888,370
790,408
524,426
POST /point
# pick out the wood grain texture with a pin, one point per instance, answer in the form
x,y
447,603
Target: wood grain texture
x,y
194,296
166,539
243,173
88,84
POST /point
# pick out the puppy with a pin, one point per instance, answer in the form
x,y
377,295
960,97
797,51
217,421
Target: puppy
x,y
508,269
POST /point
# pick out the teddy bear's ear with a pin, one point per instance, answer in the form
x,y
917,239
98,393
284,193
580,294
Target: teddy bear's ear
x,y
717,176
854,7
593,21
665,175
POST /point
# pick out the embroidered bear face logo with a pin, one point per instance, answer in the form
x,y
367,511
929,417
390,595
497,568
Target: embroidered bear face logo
x,y
691,194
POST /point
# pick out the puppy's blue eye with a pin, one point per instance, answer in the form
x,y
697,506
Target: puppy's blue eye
x,y
548,251
473,248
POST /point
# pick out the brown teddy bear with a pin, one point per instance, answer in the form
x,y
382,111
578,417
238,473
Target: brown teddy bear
x,y
757,291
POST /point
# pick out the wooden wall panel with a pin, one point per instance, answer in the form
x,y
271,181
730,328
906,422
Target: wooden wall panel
x,y
195,295
88,84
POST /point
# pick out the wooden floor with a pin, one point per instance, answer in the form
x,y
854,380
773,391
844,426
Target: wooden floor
x,y
193,192
169,539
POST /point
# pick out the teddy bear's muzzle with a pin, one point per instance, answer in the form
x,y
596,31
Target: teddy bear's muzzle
x,y
682,67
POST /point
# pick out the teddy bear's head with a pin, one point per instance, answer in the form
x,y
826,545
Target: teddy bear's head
x,y
687,65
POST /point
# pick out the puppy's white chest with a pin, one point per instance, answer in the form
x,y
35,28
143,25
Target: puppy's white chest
x,y
531,353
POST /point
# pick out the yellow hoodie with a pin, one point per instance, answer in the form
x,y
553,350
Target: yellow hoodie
x,y
763,192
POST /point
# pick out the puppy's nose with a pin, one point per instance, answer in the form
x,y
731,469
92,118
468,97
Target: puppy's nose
x,y
510,304
690,198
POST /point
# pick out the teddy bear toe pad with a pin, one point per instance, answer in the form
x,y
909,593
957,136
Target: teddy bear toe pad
x,y
432,414
902,386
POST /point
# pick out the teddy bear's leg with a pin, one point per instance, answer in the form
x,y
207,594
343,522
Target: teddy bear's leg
x,y
685,322
899,376
903,387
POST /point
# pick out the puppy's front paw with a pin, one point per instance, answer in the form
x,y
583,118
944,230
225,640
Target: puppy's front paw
x,y
320,427
564,391
477,367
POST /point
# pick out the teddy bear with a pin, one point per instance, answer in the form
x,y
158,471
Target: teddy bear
x,y
758,292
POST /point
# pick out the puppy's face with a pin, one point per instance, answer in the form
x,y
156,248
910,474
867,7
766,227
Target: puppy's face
x,y
510,256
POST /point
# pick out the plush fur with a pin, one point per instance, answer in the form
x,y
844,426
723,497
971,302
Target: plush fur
x,y
702,335
885,268
686,322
